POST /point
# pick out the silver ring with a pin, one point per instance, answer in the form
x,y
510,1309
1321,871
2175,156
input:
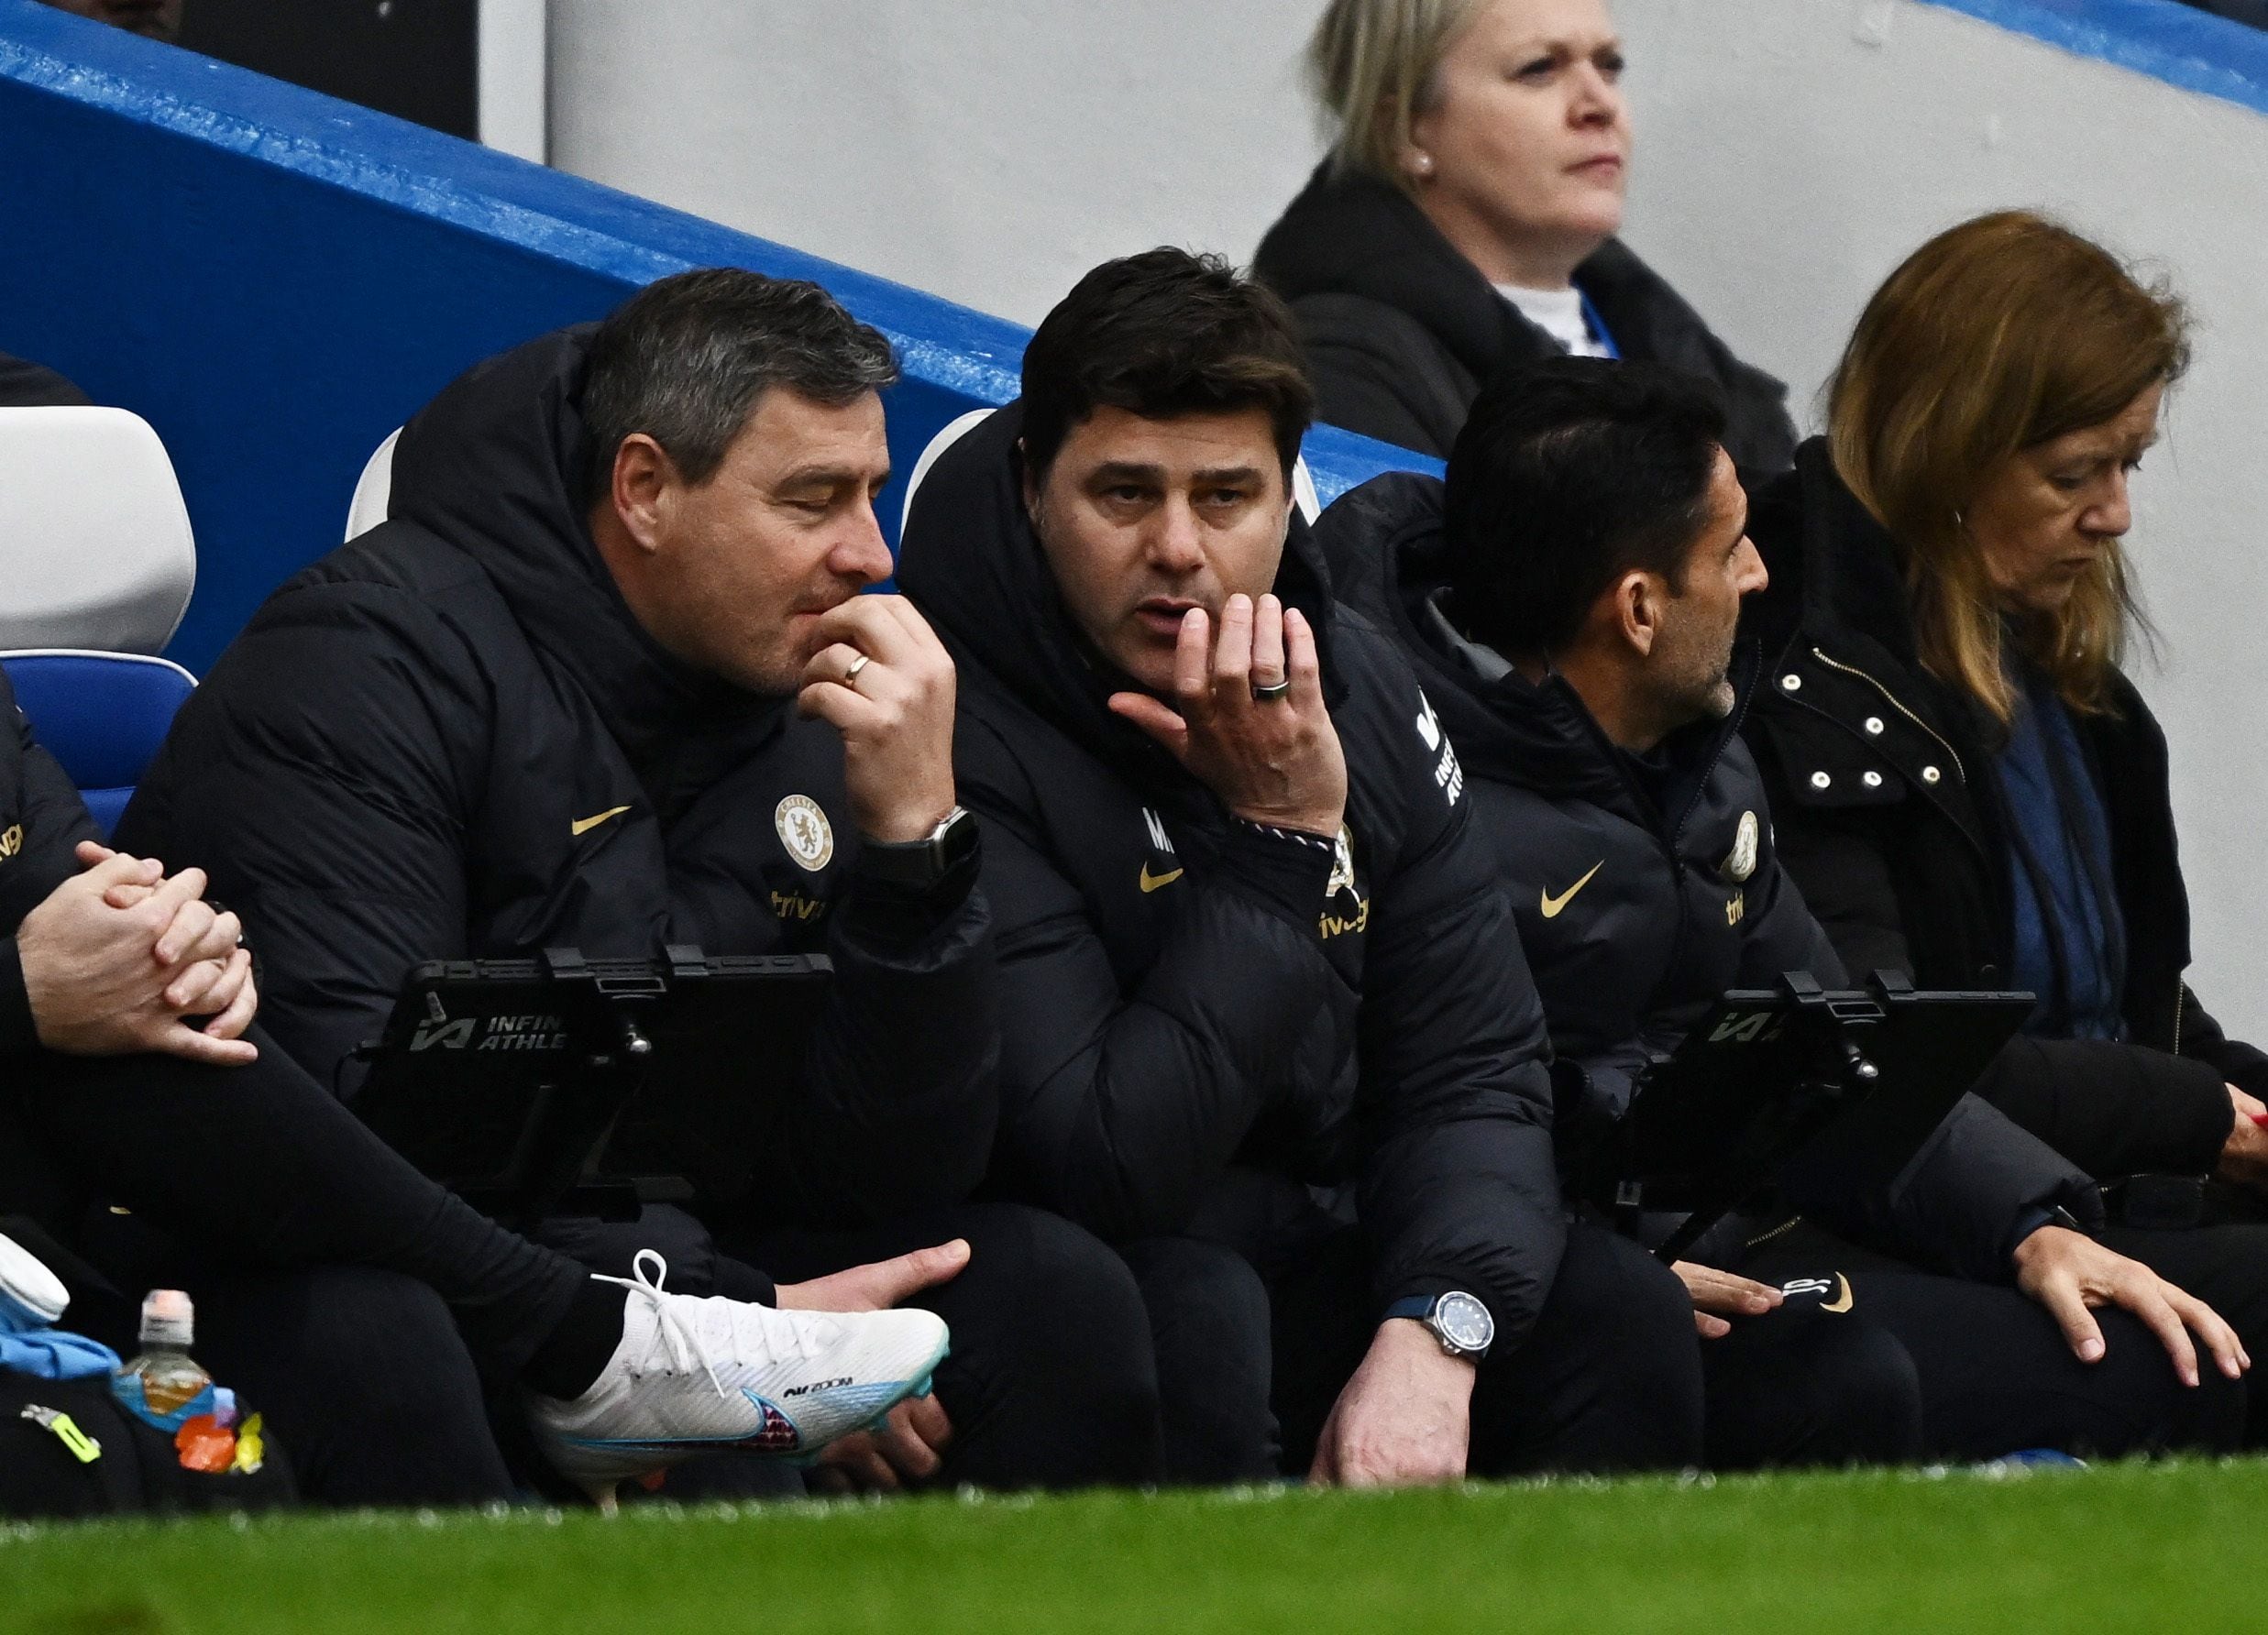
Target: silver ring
x,y
1269,692
850,677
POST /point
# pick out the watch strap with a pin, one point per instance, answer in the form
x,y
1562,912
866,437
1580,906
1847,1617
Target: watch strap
x,y
921,863
1418,1307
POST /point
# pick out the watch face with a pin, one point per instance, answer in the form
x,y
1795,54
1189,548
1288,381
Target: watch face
x,y
1464,1322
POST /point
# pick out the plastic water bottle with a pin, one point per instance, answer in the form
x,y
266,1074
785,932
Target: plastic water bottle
x,y
169,1378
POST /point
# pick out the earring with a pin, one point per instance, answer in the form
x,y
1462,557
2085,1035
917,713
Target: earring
x,y
1421,164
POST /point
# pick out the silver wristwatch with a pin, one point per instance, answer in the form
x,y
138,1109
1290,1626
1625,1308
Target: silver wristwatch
x,y
1460,1322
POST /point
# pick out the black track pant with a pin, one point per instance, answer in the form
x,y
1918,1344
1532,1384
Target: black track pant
x,y
1051,1381
1995,1373
357,1303
2227,1268
1611,1377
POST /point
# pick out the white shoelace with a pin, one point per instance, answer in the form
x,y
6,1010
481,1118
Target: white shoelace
x,y
688,1344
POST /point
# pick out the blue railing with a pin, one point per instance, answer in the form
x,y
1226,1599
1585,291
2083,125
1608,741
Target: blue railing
x,y
2179,44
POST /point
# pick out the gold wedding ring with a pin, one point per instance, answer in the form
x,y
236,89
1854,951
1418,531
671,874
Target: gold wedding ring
x,y
850,677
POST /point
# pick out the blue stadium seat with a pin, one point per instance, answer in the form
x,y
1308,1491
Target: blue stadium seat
x,y
102,715
97,565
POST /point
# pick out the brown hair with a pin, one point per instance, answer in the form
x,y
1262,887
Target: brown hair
x,y
1995,336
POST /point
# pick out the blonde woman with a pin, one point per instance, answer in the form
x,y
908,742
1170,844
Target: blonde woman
x,y
1465,220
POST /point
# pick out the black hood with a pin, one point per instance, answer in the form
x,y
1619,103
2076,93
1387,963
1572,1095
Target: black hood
x,y
493,466
971,562
1809,523
1384,542
1352,234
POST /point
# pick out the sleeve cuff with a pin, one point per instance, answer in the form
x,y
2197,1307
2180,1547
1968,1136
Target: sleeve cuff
x,y
1285,870
19,1035
890,914
2201,1119
2028,1223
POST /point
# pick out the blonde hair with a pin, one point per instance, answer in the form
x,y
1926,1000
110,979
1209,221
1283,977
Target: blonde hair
x,y
1372,64
1998,335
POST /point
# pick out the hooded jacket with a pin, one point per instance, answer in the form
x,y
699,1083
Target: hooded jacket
x,y
41,819
1402,332
1892,818
1641,901
451,738
1201,1018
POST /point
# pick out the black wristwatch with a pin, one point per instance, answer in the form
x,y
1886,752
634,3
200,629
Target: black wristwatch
x,y
1459,1321
920,865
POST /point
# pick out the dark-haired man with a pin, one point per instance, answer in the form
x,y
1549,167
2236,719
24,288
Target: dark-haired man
x,y
605,680
1571,596
27,385
1257,980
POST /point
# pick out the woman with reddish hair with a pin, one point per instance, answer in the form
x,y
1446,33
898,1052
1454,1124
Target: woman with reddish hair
x,y
1964,783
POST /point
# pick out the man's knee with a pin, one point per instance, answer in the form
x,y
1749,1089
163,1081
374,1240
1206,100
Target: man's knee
x,y
1631,1314
1061,1289
1052,1349
1806,1388
1202,1298
1610,1378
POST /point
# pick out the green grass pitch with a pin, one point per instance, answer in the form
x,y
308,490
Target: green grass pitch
x,y
2132,1547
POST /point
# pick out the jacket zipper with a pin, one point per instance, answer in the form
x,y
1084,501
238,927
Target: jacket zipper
x,y
1786,1226
1854,669
2181,999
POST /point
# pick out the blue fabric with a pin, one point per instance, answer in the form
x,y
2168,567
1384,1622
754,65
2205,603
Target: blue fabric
x,y
1599,330
27,1346
2070,935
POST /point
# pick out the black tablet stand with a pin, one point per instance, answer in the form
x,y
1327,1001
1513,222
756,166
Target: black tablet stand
x,y
1834,1076
608,1058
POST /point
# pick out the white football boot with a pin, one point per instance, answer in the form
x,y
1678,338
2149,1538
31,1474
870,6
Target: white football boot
x,y
692,1375
34,1296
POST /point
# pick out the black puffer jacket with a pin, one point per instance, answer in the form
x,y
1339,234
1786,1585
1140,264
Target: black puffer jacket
x,y
1891,817
1402,332
450,738
1639,906
41,819
1199,1017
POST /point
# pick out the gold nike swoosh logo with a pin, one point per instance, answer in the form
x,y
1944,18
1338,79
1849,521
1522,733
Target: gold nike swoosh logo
x,y
1150,883
583,826
1553,905
1842,1302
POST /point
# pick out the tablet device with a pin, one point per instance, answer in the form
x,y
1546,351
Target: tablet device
x,y
506,1079
1857,1080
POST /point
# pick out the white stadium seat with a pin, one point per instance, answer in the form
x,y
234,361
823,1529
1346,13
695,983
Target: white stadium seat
x,y
373,489
96,550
